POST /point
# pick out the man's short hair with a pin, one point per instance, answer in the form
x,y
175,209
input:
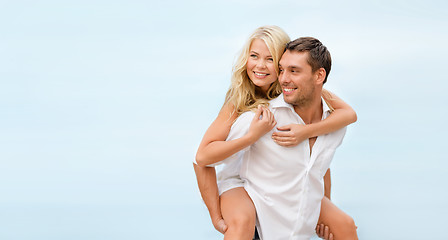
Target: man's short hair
x,y
318,57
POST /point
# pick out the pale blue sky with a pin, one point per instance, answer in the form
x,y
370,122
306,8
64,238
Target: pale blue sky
x,y
103,103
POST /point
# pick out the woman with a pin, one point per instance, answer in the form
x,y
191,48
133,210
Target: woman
x,y
254,83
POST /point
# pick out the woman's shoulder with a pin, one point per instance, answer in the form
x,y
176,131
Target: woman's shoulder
x,y
228,112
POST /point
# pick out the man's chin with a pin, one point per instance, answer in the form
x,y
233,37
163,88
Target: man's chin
x,y
288,99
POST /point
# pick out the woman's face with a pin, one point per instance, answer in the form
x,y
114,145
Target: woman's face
x,y
260,65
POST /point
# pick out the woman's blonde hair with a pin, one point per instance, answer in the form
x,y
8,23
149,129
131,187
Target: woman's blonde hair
x,y
242,93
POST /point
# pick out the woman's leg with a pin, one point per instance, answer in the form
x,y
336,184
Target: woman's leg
x,y
341,225
238,212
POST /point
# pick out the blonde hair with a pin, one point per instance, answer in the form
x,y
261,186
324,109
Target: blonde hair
x,y
242,93
328,97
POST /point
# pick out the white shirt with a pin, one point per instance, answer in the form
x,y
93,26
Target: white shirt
x,y
285,183
228,170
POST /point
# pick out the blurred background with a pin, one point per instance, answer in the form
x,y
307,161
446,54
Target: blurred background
x,y
103,104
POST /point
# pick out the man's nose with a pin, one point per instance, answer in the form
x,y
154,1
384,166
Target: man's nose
x,y
283,78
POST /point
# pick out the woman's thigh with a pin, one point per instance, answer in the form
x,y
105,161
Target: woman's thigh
x,y
237,207
341,224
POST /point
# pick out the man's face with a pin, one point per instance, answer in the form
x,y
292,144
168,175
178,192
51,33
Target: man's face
x,y
296,78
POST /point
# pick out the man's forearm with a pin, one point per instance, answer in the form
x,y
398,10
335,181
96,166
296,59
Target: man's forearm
x,y
206,177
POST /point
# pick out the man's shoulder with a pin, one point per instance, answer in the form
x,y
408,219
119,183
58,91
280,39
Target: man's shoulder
x,y
334,139
243,120
244,117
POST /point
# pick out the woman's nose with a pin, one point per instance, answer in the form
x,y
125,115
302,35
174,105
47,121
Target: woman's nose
x,y
261,64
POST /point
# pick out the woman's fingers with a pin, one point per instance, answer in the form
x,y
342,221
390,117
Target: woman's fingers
x,y
282,134
327,232
282,139
259,112
322,228
265,114
268,114
285,144
285,128
317,230
269,117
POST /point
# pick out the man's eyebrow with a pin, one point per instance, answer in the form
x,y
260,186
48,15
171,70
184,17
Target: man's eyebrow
x,y
290,66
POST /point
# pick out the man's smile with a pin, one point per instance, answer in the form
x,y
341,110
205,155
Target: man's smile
x,y
288,90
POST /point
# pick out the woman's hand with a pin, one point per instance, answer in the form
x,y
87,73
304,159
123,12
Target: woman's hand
x,y
291,135
262,123
220,225
323,232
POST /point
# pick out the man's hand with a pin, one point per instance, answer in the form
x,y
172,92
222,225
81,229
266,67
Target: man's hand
x,y
323,232
220,225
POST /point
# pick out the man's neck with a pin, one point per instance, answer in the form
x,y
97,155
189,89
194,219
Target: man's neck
x,y
311,112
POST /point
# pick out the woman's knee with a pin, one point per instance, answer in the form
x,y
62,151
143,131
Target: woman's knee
x,y
349,222
239,214
241,220
240,226
346,228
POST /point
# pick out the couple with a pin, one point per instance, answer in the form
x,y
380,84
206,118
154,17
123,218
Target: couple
x,y
274,168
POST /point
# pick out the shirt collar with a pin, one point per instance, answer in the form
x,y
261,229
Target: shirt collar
x,y
279,102
326,109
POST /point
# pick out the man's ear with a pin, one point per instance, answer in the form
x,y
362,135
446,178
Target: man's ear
x,y
320,76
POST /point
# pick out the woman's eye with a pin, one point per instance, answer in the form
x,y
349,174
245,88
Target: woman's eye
x,y
270,59
253,56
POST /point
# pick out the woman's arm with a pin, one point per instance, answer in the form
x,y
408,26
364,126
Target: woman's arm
x,y
343,115
294,134
206,177
214,148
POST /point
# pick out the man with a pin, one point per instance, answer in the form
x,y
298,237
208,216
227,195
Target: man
x,y
286,184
